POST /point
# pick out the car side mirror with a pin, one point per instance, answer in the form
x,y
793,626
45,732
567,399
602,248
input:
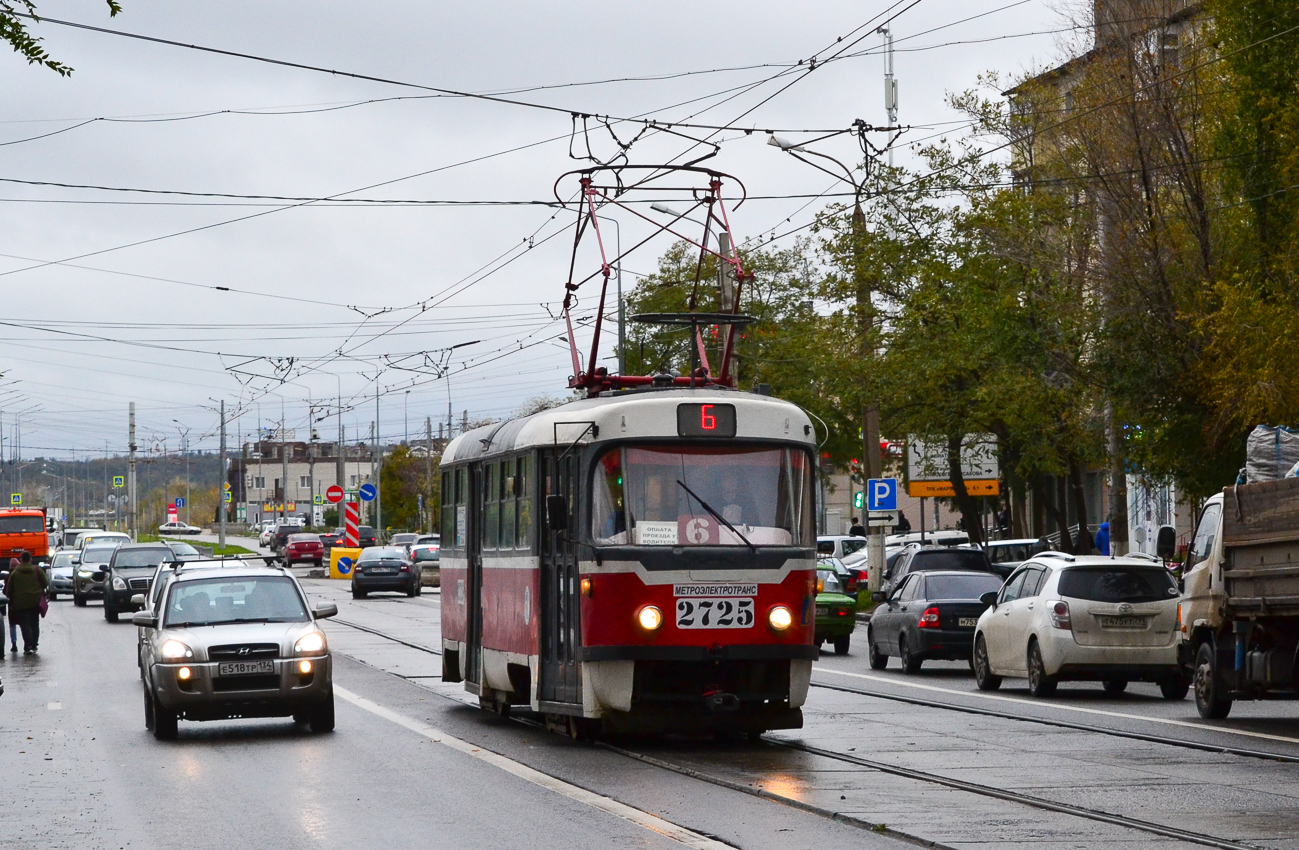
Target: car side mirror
x,y
557,512
145,620
989,599
325,610
76,559
879,597
137,599
1166,542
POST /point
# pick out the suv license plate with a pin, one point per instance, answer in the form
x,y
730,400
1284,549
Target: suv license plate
x,y
245,668
967,622
1123,622
732,613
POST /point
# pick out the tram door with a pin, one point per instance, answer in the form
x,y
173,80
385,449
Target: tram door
x,y
474,580
561,629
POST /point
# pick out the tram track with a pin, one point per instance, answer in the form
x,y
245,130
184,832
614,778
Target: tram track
x,y
926,777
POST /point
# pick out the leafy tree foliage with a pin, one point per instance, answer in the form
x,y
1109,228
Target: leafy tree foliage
x,y
15,31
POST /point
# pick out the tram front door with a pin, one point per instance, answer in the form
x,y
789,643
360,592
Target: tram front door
x,y
561,679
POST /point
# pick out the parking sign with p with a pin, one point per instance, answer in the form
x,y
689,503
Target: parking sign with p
x,y
882,494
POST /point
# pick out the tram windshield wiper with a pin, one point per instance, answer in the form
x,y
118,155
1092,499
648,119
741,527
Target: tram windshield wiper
x,y
717,516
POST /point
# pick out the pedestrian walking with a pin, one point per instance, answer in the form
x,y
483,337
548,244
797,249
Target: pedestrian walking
x,y
13,624
26,588
856,529
4,617
1103,539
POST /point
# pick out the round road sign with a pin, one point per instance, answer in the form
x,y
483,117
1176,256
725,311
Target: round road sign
x,y
344,565
334,494
368,492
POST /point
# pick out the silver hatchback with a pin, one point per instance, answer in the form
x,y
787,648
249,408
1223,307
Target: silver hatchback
x,y
225,643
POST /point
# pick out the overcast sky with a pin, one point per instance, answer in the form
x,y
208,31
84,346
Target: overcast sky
x,y
144,323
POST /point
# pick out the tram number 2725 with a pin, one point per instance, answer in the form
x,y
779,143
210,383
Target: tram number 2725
x,y
733,613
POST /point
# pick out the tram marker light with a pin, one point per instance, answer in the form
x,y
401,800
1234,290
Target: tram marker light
x,y
780,618
650,618
586,587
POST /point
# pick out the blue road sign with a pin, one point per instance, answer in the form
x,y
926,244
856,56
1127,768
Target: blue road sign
x,y
882,494
344,565
368,492
180,501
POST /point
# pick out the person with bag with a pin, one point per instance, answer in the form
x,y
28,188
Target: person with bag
x,y
26,588
4,617
13,624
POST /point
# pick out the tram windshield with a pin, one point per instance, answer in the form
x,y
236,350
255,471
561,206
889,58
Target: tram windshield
x,y
703,496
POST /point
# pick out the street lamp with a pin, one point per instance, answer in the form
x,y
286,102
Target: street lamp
x,y
184,442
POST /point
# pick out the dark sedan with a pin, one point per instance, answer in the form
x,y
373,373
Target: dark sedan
x,y
931,615
385,568
129,573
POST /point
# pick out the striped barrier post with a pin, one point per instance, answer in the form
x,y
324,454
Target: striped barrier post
x,y
351,525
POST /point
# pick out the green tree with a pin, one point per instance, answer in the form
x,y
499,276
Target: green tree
x,y
15,31
403,481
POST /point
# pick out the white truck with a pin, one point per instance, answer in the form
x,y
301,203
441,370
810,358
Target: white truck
x,y
1239,610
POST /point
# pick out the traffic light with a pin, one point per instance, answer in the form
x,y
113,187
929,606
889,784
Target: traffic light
x,y
859,500
854,469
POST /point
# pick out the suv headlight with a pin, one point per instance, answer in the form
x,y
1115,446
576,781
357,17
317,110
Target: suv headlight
x,y
310,644
119,583
174,650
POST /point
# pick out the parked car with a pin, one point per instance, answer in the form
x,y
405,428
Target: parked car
x,y
179,528
930,615
61,574
304,547
404,539
929,558
385,568
839,545
427,557
235,643
91,564
928,538
128,573
836,611
1087,618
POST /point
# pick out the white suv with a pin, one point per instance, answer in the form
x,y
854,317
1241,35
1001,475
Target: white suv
x,y
1065,618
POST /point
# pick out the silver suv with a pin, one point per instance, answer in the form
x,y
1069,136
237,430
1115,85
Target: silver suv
x,y
226,642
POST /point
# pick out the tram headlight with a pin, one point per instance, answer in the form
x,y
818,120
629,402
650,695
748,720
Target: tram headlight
x,y
650,618
780,618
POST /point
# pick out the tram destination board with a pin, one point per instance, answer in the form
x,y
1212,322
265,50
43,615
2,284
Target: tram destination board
x,y
706,420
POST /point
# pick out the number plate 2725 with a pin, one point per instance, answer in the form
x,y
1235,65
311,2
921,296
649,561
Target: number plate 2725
x,y
728,613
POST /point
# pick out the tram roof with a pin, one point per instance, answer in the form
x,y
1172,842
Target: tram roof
x,y
628,416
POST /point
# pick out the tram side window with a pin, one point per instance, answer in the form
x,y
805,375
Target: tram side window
x,y
448,527
509,474
462,499
492,513
523,490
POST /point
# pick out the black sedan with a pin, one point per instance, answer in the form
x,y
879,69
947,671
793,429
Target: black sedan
x,y
385,568
930,615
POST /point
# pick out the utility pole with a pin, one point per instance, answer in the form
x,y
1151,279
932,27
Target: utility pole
x,y
890,84
428,474
130,476
284,464
106,484
221,490
378,491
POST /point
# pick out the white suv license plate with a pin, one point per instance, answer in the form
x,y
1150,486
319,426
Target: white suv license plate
x,y
1123,622
716,613
245,668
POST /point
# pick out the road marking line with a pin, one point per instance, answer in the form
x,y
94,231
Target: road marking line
x,y
1167,722
654,823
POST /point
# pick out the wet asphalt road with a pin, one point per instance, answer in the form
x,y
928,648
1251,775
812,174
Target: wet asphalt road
x,y
82,772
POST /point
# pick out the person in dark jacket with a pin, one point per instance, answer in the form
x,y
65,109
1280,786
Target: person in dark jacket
x,y
25,587
856,530
7,616
4,617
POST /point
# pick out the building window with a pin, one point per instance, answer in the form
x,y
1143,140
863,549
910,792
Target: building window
x,y
259,483
304,481
353,480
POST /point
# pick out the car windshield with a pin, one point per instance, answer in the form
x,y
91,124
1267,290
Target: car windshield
x,y
960,587
405,538
181,549
959,559
1004,553
62,559
98,554
150,557
1118,584
22,525
385,553
426,553
828,582
670,496
212,602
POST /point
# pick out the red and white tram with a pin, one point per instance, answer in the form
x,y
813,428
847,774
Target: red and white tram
x,y
637,561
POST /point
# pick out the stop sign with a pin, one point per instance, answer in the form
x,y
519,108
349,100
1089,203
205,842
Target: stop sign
x,y
334,494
